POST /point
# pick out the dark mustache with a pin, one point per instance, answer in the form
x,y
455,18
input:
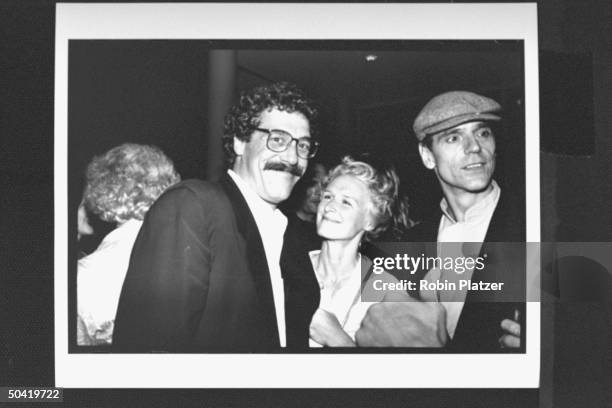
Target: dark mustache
x,y
294,169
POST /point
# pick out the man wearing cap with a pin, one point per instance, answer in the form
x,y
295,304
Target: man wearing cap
x,y
457,141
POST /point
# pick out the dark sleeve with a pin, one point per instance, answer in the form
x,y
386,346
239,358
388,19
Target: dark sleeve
x,y
166,285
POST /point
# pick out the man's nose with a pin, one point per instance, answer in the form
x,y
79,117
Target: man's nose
x,y
290,155
472,145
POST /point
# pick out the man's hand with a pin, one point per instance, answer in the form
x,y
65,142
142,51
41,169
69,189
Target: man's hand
x,y
403,324
512,330
327,331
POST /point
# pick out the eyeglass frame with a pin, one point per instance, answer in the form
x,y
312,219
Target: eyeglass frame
x,y
314,147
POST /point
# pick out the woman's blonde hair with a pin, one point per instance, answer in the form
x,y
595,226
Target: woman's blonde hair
x,y
388,209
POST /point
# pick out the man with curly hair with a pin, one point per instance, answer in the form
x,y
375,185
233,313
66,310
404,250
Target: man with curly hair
x,y
120,187
205,273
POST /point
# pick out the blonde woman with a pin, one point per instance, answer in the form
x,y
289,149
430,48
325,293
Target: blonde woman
x,y
358,203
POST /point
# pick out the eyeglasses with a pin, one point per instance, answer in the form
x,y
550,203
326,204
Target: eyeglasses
x,y
279,141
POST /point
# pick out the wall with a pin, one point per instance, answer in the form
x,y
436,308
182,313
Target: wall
x,y
576,197
576,191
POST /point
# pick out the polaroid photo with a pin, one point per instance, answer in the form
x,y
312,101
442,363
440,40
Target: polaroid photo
x,y
158,74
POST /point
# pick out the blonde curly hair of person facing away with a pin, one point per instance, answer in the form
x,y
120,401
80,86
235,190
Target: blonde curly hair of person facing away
x,y
123,183
389,210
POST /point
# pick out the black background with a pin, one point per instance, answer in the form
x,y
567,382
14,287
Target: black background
x,y
26,131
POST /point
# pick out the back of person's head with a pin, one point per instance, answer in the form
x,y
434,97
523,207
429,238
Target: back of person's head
x,y
124,182
389,210
244,116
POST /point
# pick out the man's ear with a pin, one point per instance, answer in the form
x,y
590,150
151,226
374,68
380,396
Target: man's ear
x,y
239,146
427,157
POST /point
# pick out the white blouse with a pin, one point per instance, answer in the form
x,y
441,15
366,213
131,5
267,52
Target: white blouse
x,y
344,300
100,278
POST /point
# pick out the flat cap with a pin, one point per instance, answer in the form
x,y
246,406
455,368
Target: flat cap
x,y
451,109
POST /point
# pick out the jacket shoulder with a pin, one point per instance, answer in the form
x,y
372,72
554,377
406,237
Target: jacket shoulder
x,y
195,186
193,191
191,200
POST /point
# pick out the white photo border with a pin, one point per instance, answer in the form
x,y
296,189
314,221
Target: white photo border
x,y
293,21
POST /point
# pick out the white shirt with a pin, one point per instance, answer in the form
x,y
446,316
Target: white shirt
x,y
473,229
100,278
343,301
271,224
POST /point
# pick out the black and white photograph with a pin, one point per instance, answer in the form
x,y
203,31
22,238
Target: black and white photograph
x,y
367,109
195,227
438,233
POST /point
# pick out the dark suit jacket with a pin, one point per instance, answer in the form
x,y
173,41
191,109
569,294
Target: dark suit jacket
x,y
302,292
478,329
198,279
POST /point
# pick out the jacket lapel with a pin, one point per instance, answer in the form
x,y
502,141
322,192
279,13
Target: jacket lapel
x,y
256,256
481,315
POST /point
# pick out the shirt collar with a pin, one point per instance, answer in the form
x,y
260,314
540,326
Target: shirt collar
x,y
481,209
314,261
256,204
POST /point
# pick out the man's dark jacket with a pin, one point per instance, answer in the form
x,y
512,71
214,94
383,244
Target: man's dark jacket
x,y
478,329
198,279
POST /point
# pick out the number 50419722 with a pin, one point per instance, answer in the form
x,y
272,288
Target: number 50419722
x,y
30,393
